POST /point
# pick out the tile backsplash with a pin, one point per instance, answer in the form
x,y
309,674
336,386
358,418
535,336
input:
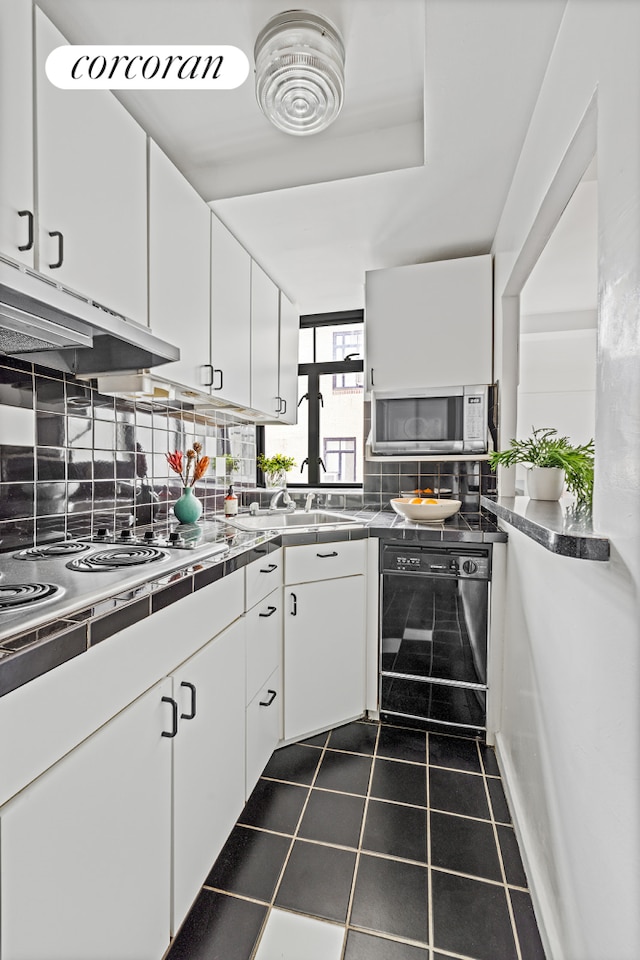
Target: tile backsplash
x,y
72,459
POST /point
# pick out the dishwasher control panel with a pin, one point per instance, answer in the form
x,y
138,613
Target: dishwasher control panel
x,y
473,563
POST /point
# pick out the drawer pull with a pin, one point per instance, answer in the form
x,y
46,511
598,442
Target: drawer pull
x,y
334,553
294,605
191,715
174,717
269,568
30,232
271,612
272,696
58,263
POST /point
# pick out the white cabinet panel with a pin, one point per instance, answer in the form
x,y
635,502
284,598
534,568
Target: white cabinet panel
x,y
208,760
230,316
85,853
429,324
179,265
16,140
288,361
264,342
92,190
262,576
322,561
324,654
264,721
264,640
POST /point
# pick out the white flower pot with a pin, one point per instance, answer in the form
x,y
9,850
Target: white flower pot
x,y
545,483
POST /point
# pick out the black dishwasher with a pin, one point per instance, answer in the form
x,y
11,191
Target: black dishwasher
x,y
434,631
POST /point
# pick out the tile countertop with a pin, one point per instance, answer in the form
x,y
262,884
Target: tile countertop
x,y
35,642
559,527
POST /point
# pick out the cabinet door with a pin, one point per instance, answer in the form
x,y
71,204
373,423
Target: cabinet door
x,y
324,654
264,722
264,342
230,316
92,190
85,853
429,324
264,640
16,141
179,264
208,761
288,370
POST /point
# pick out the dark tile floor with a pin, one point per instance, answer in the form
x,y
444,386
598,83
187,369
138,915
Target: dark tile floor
x,y
371,842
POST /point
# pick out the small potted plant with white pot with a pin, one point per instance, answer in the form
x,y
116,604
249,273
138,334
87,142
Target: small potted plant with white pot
x,y
552,462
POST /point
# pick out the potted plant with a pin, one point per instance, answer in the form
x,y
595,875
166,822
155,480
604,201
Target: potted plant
x,y
552,462
275,468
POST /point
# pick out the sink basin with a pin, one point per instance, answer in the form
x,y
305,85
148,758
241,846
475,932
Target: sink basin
x,y
286,521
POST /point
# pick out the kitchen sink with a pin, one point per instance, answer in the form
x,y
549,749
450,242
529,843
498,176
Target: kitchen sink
x,y
297,520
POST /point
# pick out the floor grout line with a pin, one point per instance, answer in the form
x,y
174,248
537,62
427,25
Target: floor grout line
x,y
430,916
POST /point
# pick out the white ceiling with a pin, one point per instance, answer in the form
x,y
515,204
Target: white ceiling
x,y
416,168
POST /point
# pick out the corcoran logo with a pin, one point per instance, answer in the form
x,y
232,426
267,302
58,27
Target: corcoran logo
x,y
147,67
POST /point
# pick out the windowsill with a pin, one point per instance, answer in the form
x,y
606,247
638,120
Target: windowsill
x,y
553,524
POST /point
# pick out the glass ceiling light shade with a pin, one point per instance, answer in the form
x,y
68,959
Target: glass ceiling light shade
x,y
299,59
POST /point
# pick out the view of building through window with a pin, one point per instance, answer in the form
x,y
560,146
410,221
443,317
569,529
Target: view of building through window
x,y
327,441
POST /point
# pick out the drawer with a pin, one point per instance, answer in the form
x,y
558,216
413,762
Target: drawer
x,y
264,641
261,577
264,722
324,561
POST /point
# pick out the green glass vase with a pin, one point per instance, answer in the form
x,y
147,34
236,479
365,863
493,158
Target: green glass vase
x,y
187,508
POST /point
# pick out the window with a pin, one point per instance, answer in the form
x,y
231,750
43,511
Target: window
x,y
327,442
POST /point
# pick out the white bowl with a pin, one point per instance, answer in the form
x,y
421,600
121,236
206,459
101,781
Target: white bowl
x,y
425,512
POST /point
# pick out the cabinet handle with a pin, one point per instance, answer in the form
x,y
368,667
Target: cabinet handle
x,y
371,376
334,553
284,405
294,606
191,715
174,717
208,382
30,235
271,610
58,263
269,568
217,370
272,696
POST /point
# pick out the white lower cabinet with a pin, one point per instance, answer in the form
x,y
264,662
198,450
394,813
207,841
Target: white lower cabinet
x,y
324,637
84,850
208,761
263,681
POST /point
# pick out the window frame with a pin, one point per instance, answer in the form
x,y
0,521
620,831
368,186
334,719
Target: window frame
x,y
313,371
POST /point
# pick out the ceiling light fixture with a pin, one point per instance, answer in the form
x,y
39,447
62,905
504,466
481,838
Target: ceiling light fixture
x,y
299,59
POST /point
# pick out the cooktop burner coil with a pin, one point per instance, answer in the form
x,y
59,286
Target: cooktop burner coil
x,y
117,558
22,594
47,551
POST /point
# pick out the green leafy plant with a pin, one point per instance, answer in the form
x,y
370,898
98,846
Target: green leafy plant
x,y
232,464
275,464
544,448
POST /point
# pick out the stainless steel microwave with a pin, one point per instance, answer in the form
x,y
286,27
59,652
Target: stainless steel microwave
x,y
442,420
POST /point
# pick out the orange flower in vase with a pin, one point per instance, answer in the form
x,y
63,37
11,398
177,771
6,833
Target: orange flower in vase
x,y
190,468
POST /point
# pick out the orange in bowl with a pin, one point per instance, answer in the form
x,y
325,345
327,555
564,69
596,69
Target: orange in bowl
x,y
425,511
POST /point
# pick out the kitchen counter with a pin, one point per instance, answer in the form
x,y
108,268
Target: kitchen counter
x,y
559,527
95,606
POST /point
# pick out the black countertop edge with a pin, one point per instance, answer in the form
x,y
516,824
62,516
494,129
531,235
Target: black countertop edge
x,y
558,527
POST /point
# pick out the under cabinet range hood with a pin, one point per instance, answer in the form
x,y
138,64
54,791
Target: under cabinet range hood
x,y
47,324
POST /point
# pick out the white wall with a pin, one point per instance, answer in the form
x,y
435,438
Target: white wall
x,y
569,740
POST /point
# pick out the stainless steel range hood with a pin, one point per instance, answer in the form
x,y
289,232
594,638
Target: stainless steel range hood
x,y
47,324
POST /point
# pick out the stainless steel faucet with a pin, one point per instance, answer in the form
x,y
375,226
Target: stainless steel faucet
x,y
288,504
308,501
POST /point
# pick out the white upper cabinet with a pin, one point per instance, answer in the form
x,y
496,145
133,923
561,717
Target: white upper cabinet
x,y
230,317
265,308
92,190
429,324
288,366
179,263
17,232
